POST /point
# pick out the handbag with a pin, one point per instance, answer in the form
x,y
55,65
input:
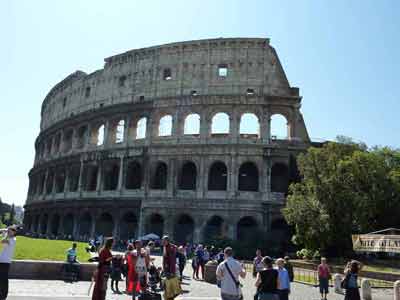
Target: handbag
x,y
344,282
237,283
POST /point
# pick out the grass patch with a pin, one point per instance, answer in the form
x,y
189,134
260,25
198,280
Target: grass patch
x,y
51,250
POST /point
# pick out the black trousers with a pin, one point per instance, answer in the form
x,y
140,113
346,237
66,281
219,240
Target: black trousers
x,y
4,270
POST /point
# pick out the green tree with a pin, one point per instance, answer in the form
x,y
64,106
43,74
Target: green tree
x,y
345,189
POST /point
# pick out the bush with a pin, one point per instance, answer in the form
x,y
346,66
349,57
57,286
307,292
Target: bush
x,y
305,254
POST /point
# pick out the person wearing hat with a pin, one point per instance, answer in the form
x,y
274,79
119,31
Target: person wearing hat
x,y
137,269
6,256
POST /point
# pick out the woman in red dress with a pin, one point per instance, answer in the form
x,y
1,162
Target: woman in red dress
x,y
103,271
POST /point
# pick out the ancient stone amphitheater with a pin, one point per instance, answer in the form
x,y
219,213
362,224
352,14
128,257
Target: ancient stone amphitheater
x,y
168,139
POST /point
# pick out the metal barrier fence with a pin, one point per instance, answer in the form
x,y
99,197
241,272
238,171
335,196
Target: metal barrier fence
x,y
311,277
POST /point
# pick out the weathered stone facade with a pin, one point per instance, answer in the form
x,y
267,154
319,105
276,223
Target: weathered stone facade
x,y
104,165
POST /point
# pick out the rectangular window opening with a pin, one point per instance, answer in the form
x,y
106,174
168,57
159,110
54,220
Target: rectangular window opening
x,y
222,70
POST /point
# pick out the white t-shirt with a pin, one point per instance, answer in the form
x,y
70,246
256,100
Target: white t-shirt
x,y
228,286
140,267
8,251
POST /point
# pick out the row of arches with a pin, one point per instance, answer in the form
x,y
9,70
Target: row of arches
x,y
83,226
184,227
133,177
117,131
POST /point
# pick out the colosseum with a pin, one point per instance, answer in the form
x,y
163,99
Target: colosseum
x,y
174,139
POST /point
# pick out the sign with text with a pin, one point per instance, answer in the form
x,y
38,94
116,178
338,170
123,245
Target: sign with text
x,y
376,243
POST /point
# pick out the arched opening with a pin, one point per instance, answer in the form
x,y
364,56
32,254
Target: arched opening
x,y
192,125
214,229
141,129
220,124
281,232
159,180
57,143
119,132
68,224
43,224
82,137
248,177
85,224
60,180
105,225
246,228
55,223
279,127
183,231
41,184
73,178
218,177
90,177
128,226
249,125
165,126
188,175
67,143
50,182
279,178
100,135
134,176
155,225
36,221
111,175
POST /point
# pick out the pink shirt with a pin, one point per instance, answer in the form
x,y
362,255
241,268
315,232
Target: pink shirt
x,y
323,271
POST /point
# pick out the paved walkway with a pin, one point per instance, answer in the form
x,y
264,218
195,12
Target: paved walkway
x,y
193,290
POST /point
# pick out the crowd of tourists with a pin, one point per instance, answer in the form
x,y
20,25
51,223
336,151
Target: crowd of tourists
x,y
142,277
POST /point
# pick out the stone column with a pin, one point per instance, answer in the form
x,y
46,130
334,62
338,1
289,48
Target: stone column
x,y
66,181
169,225
126,129
232,231
234,127
197,235
75,226
141,223
61,226
204,127
46,176
49,229
116,229
93,229
121,174
106,140
99,184
80,181
172,175
268,127
149,130
201,179
233,173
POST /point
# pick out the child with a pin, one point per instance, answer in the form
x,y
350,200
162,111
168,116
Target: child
x,y
116,270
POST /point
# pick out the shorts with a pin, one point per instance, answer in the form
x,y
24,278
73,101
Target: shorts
x,y
324,285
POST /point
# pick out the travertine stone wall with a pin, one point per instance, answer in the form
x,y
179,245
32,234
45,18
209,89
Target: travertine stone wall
x,y
74,177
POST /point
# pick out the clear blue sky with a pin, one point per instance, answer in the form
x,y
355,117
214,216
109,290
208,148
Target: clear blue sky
x,y
344,56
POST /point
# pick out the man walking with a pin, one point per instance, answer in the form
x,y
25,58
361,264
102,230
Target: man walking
x,y
228,273
284,280
5,260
